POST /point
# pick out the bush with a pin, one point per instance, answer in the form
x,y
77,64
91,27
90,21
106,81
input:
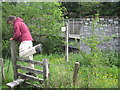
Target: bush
x,y
110,58
42,18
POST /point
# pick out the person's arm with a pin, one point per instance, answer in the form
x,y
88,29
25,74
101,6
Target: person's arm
x,y
17,33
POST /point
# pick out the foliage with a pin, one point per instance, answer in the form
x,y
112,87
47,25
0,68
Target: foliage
x,y
110,58
93,41
78,9
109,8
97,68
42,18
52,45
61,73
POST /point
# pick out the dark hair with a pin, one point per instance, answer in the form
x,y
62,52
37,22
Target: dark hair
x,y
11,18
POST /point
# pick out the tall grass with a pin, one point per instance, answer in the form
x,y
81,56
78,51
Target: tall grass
x,y
8,72
61,72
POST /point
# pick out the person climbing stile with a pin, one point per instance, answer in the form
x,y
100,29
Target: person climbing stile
x,y
23,36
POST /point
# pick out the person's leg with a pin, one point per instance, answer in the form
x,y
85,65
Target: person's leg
x,y
26,50
30,58
30,66
24,47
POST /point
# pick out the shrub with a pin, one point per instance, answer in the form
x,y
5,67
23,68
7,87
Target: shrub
x,y
42,18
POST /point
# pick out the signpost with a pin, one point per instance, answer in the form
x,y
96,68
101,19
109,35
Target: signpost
x,y
65,29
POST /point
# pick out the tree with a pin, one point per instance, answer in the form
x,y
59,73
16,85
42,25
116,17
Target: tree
x,y
42,18
78,9
109,8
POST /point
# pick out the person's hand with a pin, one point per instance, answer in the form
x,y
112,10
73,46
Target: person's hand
x,y
11,38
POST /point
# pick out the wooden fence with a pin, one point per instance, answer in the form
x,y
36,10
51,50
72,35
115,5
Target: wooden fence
x,y
21,77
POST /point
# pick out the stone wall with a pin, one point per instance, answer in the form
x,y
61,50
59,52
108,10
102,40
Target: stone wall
x,y
108,26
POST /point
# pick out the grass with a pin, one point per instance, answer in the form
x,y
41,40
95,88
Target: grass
x,y
61,73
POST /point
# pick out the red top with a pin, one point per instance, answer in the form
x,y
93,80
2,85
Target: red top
x,y
21,31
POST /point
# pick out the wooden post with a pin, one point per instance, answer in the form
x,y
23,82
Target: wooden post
x,y
66,39
13,56
2,70
76,69
45,70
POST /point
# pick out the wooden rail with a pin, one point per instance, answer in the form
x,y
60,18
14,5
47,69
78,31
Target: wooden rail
x,y
30,61
30,69
30,77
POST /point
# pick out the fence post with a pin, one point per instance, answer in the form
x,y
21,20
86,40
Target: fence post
x,y
13,56
76,69
2,70
45,70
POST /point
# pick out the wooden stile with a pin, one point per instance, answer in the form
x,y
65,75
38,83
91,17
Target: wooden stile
x,y
44,72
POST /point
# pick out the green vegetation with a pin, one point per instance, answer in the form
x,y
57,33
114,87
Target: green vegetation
x,y
92,42
61,72
90,9
98,69
44,20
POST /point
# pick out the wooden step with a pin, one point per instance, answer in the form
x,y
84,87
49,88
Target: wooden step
x,y
15,83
